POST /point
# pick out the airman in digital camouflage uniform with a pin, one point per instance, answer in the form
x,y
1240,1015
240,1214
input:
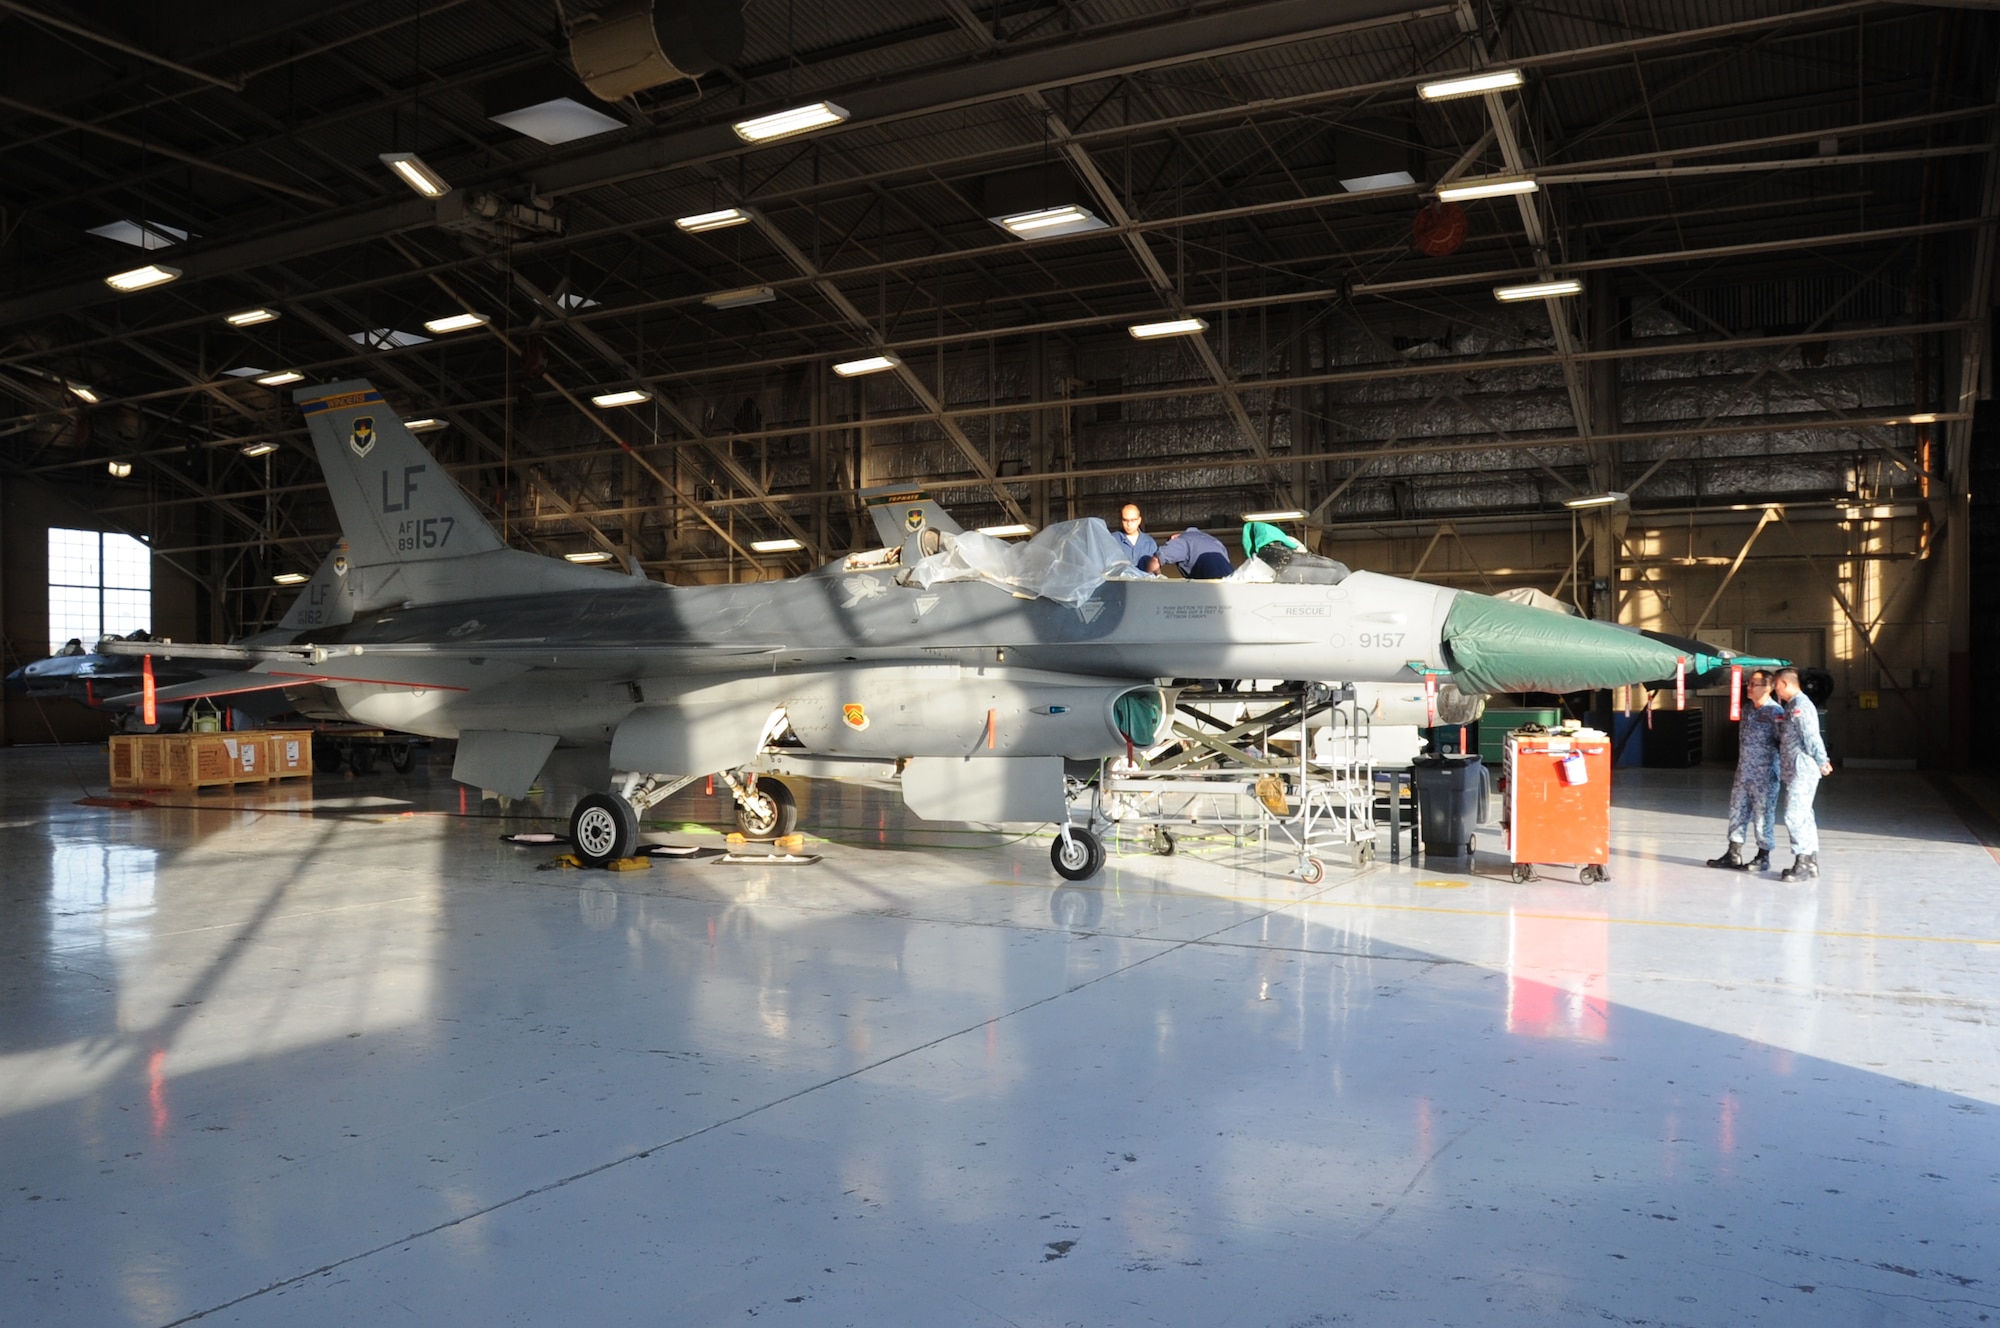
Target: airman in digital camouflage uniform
x,y
1753,798
1801,763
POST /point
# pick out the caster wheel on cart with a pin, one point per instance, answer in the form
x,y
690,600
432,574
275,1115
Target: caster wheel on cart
x,y
1164,843
326,758
1312,871
1472,846
1592,875
1523,872
1079,857
361,759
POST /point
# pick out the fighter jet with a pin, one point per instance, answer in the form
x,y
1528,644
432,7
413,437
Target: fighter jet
x,y
969,674
97,681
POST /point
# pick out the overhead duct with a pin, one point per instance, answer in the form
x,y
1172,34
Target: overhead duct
x,y
626,46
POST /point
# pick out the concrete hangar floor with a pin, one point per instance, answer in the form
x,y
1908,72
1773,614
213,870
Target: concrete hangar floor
x,y
337,1055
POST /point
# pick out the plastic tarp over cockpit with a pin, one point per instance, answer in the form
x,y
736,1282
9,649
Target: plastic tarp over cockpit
x,y
1497,646
1066,562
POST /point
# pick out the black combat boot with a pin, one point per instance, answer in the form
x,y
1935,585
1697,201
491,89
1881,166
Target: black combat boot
x,y
1731,859
1805,867
1760,863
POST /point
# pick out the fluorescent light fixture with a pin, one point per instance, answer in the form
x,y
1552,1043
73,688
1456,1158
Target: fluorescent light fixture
x,y
558,120
741,297
119,470
1609,499
456,322
244,371
1491,186
868,364
141,235
251,317
1044,223
82,393
280,378
1291,515
1361,184
783,124
1928,417
386,338
290,578
139,278
631,396
1173,327
1538,290
259,449
410,167
1471,85
1007,532
425,425
720,219
775,546
589,556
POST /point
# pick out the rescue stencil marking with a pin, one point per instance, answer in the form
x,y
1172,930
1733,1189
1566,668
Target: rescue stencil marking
x,y
1192,610
1296,611
1090,609
925,603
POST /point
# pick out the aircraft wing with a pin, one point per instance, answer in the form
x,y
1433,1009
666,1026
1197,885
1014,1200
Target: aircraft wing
x,y
424,665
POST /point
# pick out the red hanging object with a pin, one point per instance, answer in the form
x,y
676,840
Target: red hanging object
x,y
1440,229
1735,692
149,709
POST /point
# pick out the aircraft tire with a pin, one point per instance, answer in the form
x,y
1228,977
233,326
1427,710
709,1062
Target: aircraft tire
x,y
774,814
326,758
1078,859
602,829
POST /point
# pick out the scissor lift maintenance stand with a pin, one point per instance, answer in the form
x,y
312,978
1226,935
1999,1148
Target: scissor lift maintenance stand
x,y
1215,770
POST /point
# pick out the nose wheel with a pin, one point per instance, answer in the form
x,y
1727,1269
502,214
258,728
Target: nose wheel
x,y
1077,857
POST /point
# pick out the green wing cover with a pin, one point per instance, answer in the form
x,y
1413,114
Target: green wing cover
x,y
1497,646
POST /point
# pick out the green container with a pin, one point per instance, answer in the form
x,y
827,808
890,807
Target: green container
x,y
1496,724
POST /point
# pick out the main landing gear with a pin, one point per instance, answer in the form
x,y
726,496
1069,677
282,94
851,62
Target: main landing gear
x,y
765,809
604,827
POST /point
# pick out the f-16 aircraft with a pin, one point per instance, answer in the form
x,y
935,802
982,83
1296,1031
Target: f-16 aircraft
x,y
95,680
972,677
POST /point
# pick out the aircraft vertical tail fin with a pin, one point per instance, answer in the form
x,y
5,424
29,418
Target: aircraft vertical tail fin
x,y
899,513
395,502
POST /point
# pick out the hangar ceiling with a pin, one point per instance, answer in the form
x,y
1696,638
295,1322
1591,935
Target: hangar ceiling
x,y
1779,215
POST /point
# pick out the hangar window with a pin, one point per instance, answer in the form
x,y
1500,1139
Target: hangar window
x,y
99,584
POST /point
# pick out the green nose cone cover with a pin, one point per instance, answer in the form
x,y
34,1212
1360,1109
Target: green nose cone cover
x,y
1494,645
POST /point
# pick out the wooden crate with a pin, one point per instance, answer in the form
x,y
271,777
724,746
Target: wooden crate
x,y
291,753
200,760
139,761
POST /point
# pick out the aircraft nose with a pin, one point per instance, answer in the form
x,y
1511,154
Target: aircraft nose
x,y
18,679
1495,645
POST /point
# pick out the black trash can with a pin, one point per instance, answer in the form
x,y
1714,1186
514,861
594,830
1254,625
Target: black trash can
x,y
1450,790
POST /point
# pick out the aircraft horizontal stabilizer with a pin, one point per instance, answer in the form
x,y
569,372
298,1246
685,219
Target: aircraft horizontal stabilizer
x,y
219,684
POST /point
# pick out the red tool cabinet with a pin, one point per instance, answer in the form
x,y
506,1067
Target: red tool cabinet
x,y
1552,816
